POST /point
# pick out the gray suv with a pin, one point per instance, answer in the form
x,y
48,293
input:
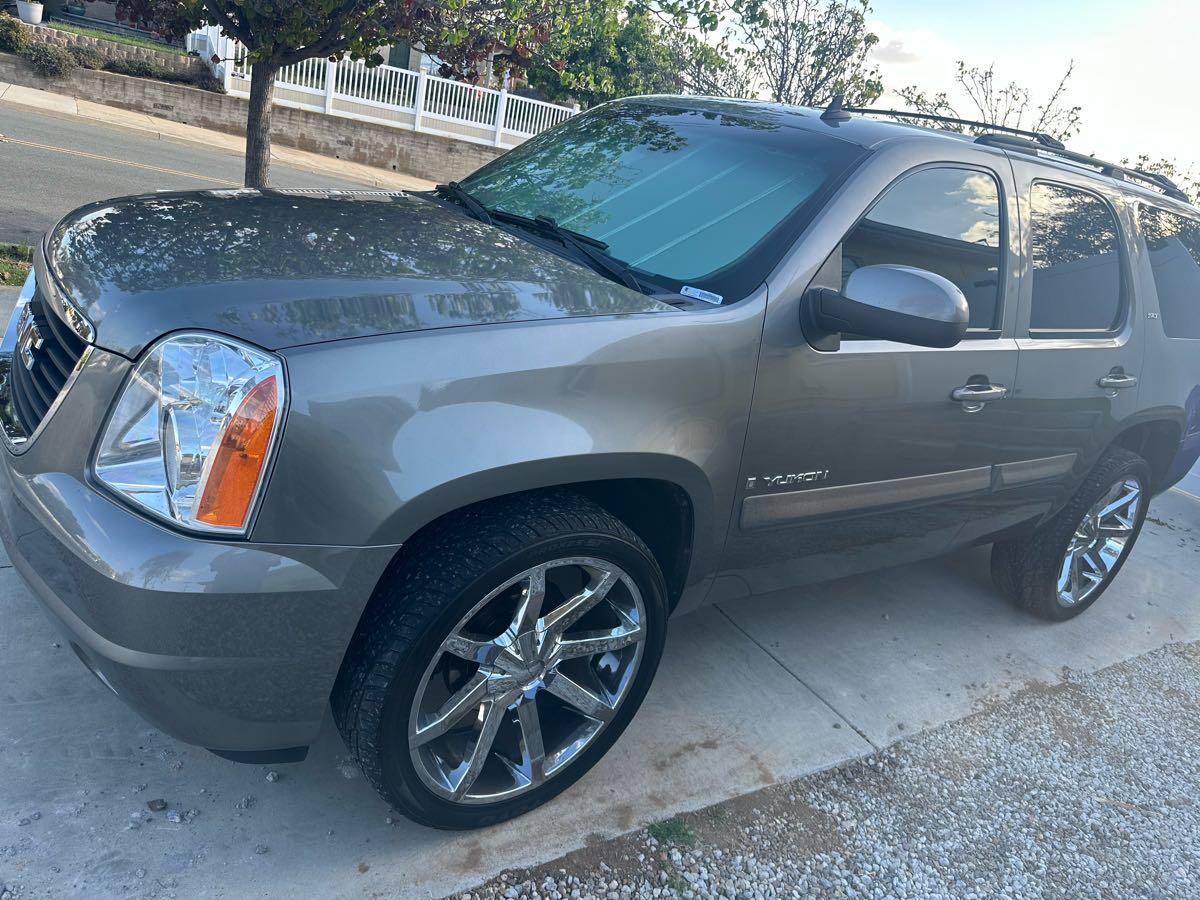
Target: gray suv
x,y
447,462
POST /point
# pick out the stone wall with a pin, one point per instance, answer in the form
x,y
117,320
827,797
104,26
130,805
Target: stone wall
x,y
400,150
184,65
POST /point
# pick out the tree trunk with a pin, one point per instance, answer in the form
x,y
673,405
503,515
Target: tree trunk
x,y
258,123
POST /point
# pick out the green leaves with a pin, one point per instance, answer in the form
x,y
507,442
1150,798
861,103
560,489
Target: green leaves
x,y
464,33
603,49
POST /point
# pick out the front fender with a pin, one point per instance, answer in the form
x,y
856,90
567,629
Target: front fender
x,y
386,434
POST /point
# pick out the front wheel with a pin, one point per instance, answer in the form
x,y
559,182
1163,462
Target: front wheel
x,y
503,658
1063,567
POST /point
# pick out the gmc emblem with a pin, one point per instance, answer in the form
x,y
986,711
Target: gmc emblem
x,y
29,337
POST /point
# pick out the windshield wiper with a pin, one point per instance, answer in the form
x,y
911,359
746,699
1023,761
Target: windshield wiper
x,y
460,195
591,249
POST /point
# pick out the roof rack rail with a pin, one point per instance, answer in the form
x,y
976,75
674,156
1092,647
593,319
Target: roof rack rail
x,y
837,111
1018,139
1112,170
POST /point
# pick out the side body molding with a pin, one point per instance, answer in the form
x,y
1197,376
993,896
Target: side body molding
x,y
765,510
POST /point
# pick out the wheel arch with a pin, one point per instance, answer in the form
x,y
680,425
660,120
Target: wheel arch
x,y
665,500
1157,441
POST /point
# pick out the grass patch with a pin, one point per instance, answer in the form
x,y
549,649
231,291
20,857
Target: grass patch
x,y
15,260
671,831
131,40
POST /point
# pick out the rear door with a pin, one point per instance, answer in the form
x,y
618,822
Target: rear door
x,y
1078,328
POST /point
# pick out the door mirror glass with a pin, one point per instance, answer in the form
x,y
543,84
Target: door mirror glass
x,y
894,303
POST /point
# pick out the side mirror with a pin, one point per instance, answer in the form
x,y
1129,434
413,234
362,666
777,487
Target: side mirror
x,y
892,303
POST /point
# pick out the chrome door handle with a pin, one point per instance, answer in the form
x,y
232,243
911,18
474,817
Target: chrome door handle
x,y
973,396
984,392
1117,382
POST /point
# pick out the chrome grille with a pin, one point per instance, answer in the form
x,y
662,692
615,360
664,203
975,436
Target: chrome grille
x,y
46,354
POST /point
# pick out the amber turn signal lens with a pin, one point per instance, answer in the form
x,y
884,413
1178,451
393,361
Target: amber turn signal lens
x,y
238,462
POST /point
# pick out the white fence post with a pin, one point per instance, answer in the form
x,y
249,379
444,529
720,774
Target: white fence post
x,y
331,68
501,110
227,62
419,103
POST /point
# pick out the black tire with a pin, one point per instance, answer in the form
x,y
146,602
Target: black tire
x,y
441,576
1027,569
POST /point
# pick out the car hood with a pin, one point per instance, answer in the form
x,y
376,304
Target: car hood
x,y
284,268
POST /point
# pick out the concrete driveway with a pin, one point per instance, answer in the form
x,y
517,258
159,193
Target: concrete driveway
x,y
748,695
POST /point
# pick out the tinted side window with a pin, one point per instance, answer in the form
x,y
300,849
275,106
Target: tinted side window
x,y
945,221
1174,244
1076,261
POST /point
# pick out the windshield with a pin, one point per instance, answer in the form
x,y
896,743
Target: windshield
x,y
708,193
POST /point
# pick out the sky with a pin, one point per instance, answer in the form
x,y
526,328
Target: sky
x,y
1135,63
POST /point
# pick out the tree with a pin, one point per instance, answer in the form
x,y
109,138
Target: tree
x,y
617,50
609,54
722,70
808,51
1010,105
463,33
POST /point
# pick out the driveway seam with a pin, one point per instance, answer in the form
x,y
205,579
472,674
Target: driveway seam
x,y
779,662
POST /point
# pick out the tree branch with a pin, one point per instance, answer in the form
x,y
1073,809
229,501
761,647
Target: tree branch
x,y
229,26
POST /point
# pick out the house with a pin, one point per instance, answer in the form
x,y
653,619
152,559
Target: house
x,y
99,14
102,14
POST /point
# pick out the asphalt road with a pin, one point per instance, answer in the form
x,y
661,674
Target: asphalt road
x,y
80,161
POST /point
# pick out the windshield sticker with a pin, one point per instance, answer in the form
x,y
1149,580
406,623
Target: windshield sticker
x,y
697,294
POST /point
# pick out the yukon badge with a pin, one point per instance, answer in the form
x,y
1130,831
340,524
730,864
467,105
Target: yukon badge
x,y
762,482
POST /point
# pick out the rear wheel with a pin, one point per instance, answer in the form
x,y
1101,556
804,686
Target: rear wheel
x,y
502,660
1064,567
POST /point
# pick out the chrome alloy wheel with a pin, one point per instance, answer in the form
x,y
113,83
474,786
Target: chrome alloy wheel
x,y
526,680
1099,542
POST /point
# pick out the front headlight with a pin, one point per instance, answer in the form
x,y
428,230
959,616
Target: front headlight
x,y
192,433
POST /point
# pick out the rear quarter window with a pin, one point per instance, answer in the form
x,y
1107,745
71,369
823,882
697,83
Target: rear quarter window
x,y
1173,242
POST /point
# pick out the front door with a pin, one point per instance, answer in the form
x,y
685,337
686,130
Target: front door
x,y
859,458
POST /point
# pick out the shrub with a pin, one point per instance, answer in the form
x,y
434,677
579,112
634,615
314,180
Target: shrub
x,y
207,81
88,57
13,36
49,60
138,68
144,68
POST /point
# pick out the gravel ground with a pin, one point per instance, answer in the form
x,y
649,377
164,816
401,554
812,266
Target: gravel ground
x,y
1087,789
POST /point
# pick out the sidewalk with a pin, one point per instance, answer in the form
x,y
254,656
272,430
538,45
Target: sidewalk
x,y
47,101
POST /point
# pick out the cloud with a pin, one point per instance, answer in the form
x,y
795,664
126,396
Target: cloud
x,y
912,56
893,52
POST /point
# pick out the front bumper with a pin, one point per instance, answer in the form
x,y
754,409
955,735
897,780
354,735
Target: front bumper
x,y
230,645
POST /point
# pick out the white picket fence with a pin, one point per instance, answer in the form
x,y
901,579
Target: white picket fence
x,y
388,96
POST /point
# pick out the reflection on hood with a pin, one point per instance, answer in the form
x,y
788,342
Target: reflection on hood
x,y
285,268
